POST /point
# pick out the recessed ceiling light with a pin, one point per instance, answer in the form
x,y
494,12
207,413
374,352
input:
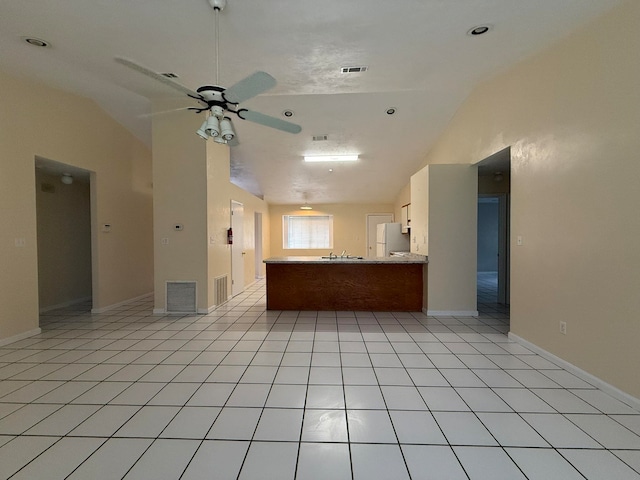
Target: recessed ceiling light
x,y
391,111
330,158
288,113
36,42
479,30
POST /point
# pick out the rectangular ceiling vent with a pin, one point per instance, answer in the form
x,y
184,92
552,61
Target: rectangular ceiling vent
x,y
169,75
181,297
320,138
359,69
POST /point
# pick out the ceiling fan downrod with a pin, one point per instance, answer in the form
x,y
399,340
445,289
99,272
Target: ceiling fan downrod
x,y
218,6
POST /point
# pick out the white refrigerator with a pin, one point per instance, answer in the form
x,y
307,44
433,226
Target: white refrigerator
x,y
389,239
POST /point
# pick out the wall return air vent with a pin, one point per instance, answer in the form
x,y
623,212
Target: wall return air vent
x,y
181,297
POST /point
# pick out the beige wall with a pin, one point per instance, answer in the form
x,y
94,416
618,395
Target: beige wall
x,y
571,116
349,227
78,133
192,188
444,227
64,241
453,200
180,181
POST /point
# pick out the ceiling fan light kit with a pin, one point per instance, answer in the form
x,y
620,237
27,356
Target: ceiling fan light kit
x,y
219,101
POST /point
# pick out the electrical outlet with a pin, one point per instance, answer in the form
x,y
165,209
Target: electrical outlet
x,y
563,328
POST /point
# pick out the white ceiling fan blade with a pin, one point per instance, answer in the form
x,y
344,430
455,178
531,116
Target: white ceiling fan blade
x,y
268,121
249,87
158,77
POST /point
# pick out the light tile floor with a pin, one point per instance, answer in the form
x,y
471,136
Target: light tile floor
x,y
245,393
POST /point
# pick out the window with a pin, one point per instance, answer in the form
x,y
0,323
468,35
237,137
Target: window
x,y
307,231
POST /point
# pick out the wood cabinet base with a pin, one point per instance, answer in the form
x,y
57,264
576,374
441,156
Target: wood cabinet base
x,y
359,287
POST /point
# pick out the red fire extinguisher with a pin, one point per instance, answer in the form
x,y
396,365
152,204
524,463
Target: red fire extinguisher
x,y
229,236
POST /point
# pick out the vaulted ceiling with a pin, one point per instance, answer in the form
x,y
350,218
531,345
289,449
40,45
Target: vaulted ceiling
x,y
421,61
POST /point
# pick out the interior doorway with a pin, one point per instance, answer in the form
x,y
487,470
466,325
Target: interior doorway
x,y
494,175
63,219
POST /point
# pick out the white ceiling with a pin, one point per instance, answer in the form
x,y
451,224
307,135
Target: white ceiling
x,y
421,61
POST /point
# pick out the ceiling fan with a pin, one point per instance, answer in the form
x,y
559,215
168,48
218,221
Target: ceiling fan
x,y
219,101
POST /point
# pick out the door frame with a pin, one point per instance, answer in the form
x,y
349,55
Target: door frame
x,y
503,245
237,248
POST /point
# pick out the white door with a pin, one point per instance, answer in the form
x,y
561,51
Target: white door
x,y
237,248
373,220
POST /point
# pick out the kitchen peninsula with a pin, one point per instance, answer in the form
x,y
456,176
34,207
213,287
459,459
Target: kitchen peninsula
x,y
380,284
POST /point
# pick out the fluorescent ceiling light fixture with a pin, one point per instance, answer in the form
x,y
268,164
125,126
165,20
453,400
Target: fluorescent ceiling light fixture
x,y
331,158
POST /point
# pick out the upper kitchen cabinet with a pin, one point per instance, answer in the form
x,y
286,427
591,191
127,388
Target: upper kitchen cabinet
x,y
406,218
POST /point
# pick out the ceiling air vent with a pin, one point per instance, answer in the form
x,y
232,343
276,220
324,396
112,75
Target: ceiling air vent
x,y
320,138
354,69
169,75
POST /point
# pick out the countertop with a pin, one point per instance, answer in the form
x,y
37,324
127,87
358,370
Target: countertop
x,y
414,258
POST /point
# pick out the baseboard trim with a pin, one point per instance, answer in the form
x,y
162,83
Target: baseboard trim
x,y
65,304
20,336
615,392
451,313
119,304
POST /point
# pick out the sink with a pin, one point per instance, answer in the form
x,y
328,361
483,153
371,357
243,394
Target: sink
x,y
346,257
